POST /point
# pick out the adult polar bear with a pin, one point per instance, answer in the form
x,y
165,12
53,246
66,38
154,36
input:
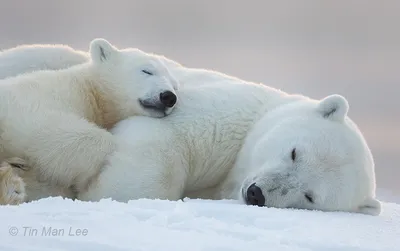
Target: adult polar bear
x,y
57,120
51,58
232,139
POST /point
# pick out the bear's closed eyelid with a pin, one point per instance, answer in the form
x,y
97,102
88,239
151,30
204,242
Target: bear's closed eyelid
x,y
309,197
148,72
293,154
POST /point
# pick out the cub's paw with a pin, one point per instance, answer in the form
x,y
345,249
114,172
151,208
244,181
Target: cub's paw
x,y
12,187
18,163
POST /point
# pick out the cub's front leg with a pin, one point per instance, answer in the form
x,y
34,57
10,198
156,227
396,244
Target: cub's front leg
x,y
12,186
64,149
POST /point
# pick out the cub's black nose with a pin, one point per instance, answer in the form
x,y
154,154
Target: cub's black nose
x,y
254,196
168,98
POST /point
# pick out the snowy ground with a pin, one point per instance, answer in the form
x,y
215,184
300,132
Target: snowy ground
x,y
54,224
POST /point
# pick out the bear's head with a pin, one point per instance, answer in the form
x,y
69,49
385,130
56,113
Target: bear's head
x,y
310,155
141,81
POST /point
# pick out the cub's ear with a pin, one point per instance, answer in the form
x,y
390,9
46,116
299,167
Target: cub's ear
x,y
101,50
370,206
333,107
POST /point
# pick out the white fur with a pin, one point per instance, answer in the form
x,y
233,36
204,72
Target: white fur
x,y
30,58
227,134
332,162
193,151
57,119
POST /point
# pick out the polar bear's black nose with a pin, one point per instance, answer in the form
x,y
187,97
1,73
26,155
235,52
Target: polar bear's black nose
x,y
168,98
254,196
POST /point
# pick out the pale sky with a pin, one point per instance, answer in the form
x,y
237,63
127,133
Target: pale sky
x,y
316,48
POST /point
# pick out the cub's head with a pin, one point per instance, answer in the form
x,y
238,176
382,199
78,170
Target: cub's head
x,y
311,156
143,83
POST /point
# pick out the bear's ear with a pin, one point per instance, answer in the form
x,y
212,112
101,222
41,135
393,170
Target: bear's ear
x,y
333,107
101,50
370,206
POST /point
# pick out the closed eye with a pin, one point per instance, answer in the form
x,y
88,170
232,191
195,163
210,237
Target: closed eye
x,y
309,197
293,154
147,72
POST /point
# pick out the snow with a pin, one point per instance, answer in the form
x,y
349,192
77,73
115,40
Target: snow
x,y
190,225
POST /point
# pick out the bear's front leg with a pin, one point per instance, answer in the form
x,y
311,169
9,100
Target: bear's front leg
x,y
64,149
12,187
136,171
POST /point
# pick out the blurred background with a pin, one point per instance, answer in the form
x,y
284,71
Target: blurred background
x,y
316,48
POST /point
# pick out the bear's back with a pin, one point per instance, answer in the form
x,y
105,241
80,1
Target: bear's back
x,y
30,58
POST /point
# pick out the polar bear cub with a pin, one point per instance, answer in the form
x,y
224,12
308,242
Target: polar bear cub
x,y
57,120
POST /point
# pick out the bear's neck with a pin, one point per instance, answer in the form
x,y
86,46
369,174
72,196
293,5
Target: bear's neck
x,y
105,110
99,98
